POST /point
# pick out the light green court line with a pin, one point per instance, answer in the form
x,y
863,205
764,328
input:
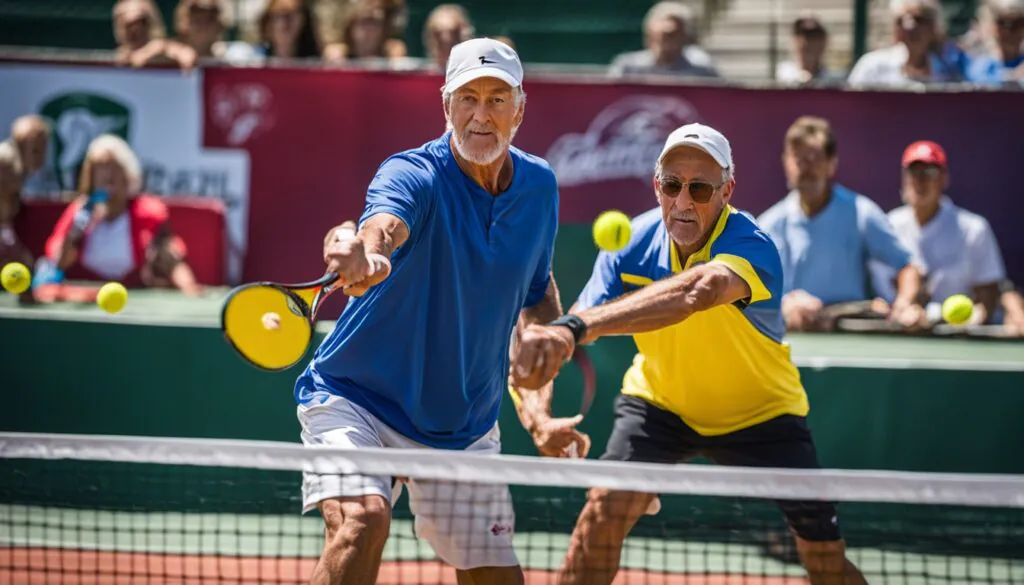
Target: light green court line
x,y
300,536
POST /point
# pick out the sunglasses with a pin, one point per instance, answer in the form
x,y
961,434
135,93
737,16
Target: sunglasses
x,y
700,191
924,171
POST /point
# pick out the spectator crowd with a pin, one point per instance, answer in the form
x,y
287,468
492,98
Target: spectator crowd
x,y
837,247
372,32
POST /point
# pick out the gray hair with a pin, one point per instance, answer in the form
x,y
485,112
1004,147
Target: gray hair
x,y
898,7
123,155
672,9
9,156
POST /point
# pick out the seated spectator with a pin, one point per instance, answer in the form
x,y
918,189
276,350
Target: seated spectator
x,y
31,137
113,232
21,157
139,32
1003,62
199,24
669,36
809,41
955,249
920,55
825,232
503,39
446,26
287,29
366,34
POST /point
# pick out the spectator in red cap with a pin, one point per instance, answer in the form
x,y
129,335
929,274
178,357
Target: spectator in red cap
x,y
954,248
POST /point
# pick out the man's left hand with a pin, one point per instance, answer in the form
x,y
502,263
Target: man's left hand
x,y
542,351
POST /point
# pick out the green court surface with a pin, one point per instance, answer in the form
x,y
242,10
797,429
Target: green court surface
x,y
295,541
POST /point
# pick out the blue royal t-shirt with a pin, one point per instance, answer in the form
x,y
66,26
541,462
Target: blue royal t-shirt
x,y
426,350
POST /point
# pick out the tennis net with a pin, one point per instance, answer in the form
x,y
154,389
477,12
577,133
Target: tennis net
x,y
104,510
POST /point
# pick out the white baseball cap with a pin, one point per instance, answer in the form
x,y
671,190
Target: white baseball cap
x,y
703,137
478,58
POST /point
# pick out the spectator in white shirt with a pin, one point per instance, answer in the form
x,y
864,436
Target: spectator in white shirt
x,y
809,41
954,248
920,55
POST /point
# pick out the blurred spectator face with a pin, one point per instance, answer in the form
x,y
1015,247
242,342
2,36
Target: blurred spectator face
x,y
923,184
107,175
445,29
484,119
204,25
1009,32
808,167
367,32
32,138
925,174
284,22
916,27
809,41
666,38
133,24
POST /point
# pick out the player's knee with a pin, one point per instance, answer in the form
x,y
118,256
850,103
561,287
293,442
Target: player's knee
x,y
362,523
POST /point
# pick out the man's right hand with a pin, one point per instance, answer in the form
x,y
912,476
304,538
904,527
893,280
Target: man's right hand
x,y
346,256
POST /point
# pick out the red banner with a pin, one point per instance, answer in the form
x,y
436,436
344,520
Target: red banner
x,y
316,138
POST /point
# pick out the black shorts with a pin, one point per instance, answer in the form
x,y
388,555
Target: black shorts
x,y
647,433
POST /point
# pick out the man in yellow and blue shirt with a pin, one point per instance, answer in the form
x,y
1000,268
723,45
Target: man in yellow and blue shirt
x,y
699,287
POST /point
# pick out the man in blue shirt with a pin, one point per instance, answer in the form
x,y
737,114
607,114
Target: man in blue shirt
x,y
454,246
1003,64
826,234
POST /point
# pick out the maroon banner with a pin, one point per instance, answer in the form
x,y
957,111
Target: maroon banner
x,y
317,137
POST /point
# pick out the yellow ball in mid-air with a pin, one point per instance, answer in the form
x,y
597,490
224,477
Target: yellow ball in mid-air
x,y
957,309
612,231
15,278
112,297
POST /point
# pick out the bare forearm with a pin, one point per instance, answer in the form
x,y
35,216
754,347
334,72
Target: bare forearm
x,y
908,286
1013,305
548,309
532,406
381,234
665,303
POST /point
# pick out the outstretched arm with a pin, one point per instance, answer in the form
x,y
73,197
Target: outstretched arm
x,y
545,348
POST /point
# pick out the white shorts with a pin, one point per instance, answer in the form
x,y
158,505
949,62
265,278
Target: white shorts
x,y
469,525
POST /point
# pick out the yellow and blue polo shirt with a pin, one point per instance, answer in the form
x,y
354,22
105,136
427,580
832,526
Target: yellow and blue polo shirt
x,y
720,370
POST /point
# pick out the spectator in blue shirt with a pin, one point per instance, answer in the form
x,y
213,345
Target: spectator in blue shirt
x,y
1003,64
826,234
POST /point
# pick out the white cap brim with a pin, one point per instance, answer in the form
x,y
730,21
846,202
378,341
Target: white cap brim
x,y
720,158
467,76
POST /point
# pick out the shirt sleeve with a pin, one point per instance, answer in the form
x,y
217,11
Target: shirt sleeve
x,y
400,188
542,275
880,238
605,283
985,259
754,258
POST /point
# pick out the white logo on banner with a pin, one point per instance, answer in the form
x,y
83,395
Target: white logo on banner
x,y
242,111
622,142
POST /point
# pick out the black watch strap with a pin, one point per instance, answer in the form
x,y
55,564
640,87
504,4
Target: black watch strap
x,y
574,323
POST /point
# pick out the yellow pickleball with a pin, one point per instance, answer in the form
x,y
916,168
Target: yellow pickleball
x,y
112,297
957,309
612,231
15,278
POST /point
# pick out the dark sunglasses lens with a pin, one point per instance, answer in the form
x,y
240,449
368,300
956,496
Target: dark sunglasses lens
x,y
670,188
701,192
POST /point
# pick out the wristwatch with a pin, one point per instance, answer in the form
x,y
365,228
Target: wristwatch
x,y
574,323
